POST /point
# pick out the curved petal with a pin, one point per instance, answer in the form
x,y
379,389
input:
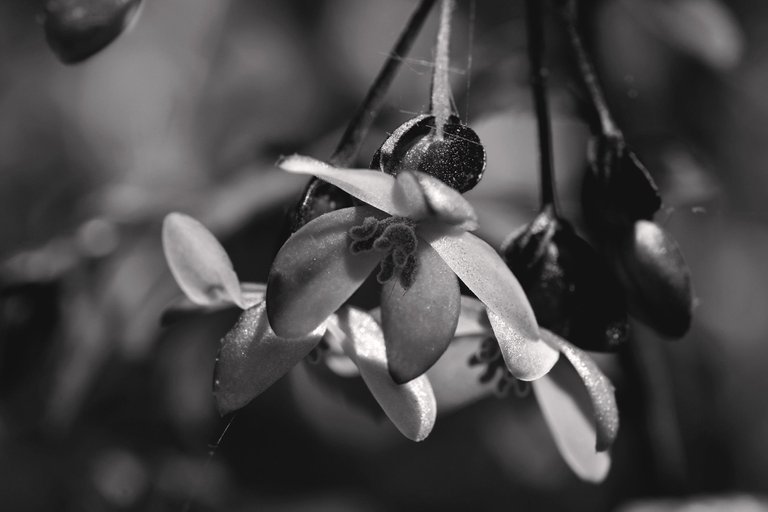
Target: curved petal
x,y
419,322
484,272
252,357
599,389
198,262
571,429
315,273
446,203
526,360
411,406
456,383
375,188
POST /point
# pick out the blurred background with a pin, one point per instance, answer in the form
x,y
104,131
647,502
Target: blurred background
x,y
101,409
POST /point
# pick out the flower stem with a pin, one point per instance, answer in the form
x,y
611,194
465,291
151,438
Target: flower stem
x,y
539,73
587,71
440,104
361,122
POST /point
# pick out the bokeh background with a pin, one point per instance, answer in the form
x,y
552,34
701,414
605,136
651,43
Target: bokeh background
x,y
101,409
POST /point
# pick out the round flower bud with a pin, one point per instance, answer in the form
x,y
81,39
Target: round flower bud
x,y
617,188
571,290
458,158
652,270
77,29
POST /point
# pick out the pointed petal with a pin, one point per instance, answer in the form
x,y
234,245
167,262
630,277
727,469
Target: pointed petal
x,y
411,406
525,359
446,203
572,430
375,188
484,272
251,358
599,388
198,262
419,322
315,273
457,383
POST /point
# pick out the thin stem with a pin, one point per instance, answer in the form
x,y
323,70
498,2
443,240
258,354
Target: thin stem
x,y
361,122
539,73
440,104
587,71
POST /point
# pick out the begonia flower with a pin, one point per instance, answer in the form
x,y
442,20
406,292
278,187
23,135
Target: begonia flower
x,y
577,400
252,357
416,229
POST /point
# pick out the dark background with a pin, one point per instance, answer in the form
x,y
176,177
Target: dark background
x,y
100,409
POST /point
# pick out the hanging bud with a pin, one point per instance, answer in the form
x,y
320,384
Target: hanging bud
x,y
652,270
78,29
318,199
458,158
617,190
569,287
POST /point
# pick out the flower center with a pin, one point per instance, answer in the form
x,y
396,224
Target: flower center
x,y
489,355
396,236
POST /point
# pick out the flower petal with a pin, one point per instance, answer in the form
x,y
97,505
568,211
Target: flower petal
x,y
411,406
525,359
457,383
484,272
198,262
372,187
315,273
573,431
446,203
419,322
599,388
252,357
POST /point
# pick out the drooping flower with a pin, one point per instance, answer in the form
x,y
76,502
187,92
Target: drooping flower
x,y
417,229
252,357
576,398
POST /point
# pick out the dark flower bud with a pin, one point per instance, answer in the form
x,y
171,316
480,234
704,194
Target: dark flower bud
x,y
318,199
570,288
77,29
458,158
617,189
652,270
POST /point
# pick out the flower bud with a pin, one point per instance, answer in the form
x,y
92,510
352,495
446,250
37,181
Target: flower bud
x,y
652,270
570,288
318,199
458,158
617,189
78,29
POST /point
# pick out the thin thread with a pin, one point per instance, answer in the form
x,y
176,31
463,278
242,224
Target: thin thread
x,y
441,87
212,448
361,122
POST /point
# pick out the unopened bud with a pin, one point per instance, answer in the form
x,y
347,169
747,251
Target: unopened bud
x,y
457,158
569,286
652,270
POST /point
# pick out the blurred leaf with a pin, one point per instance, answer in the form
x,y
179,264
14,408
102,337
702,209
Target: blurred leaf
x,y
704,29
